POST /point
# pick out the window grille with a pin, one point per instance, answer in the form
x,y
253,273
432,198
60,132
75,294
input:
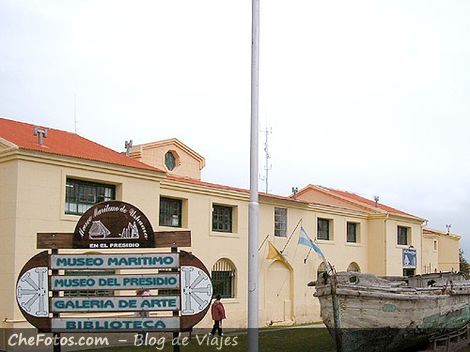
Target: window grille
x,y
323,229
353,267
82,195
223,278
352,232
402,235
170,212
221,218
280,222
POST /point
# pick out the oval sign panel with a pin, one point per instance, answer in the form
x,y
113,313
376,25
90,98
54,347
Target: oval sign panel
x,y
113,225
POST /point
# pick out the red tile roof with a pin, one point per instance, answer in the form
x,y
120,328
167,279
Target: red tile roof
x,y
429,231
72,145
366,201
64,143
244,190
230,188
205,184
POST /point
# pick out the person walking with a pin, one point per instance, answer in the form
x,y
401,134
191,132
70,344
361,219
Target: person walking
x,y
218,314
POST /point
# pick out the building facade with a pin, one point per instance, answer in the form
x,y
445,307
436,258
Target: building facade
x,y
45,185
440,251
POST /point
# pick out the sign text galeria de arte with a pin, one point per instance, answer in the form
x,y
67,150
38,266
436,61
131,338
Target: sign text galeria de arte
x,y
43,285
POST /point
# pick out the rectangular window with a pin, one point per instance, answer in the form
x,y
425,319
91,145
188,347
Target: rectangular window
x,y
170,212
82,195
222,282
352,232
280,222
402,235
323,229
221,218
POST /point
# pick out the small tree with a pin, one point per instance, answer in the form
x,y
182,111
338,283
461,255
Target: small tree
x,y
464,265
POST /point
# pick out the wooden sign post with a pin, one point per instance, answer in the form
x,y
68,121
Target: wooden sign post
x,y
43,284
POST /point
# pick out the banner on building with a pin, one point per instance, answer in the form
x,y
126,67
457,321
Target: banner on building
x,y
409,258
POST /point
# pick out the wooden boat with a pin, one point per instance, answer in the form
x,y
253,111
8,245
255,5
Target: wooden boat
x,y
364,312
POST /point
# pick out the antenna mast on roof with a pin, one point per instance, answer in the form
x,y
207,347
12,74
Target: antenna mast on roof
x,y
75,112
448,227
267,166
128,146
295,190
376,200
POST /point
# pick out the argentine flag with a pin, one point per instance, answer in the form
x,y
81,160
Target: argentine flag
x,y
307,241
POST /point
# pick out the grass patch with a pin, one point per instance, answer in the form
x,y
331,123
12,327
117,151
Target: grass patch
x,y
285,340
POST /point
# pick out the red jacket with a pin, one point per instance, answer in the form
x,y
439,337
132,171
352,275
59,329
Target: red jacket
x,y
218,311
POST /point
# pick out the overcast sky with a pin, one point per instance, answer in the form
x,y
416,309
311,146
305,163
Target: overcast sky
x,y
366,96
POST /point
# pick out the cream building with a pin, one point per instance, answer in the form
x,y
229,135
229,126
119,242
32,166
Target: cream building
x,y
440,251
46,185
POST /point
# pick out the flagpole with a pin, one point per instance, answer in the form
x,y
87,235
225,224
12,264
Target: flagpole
x,y
253,215
292,234
305,259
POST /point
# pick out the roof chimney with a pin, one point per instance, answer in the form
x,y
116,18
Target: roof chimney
x,y
41,132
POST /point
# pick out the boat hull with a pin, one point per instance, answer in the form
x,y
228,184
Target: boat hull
x,y
381,339
390,319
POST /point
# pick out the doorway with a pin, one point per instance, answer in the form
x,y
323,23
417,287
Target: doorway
x,y
279,293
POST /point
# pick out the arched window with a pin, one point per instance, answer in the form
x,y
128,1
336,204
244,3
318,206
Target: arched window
x,y
321,269
223,278
354,267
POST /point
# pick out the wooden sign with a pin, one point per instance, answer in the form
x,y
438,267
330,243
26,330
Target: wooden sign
x,y
114,282
70,325
115,261
43,286
64,240
35,284
115,304
113,225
